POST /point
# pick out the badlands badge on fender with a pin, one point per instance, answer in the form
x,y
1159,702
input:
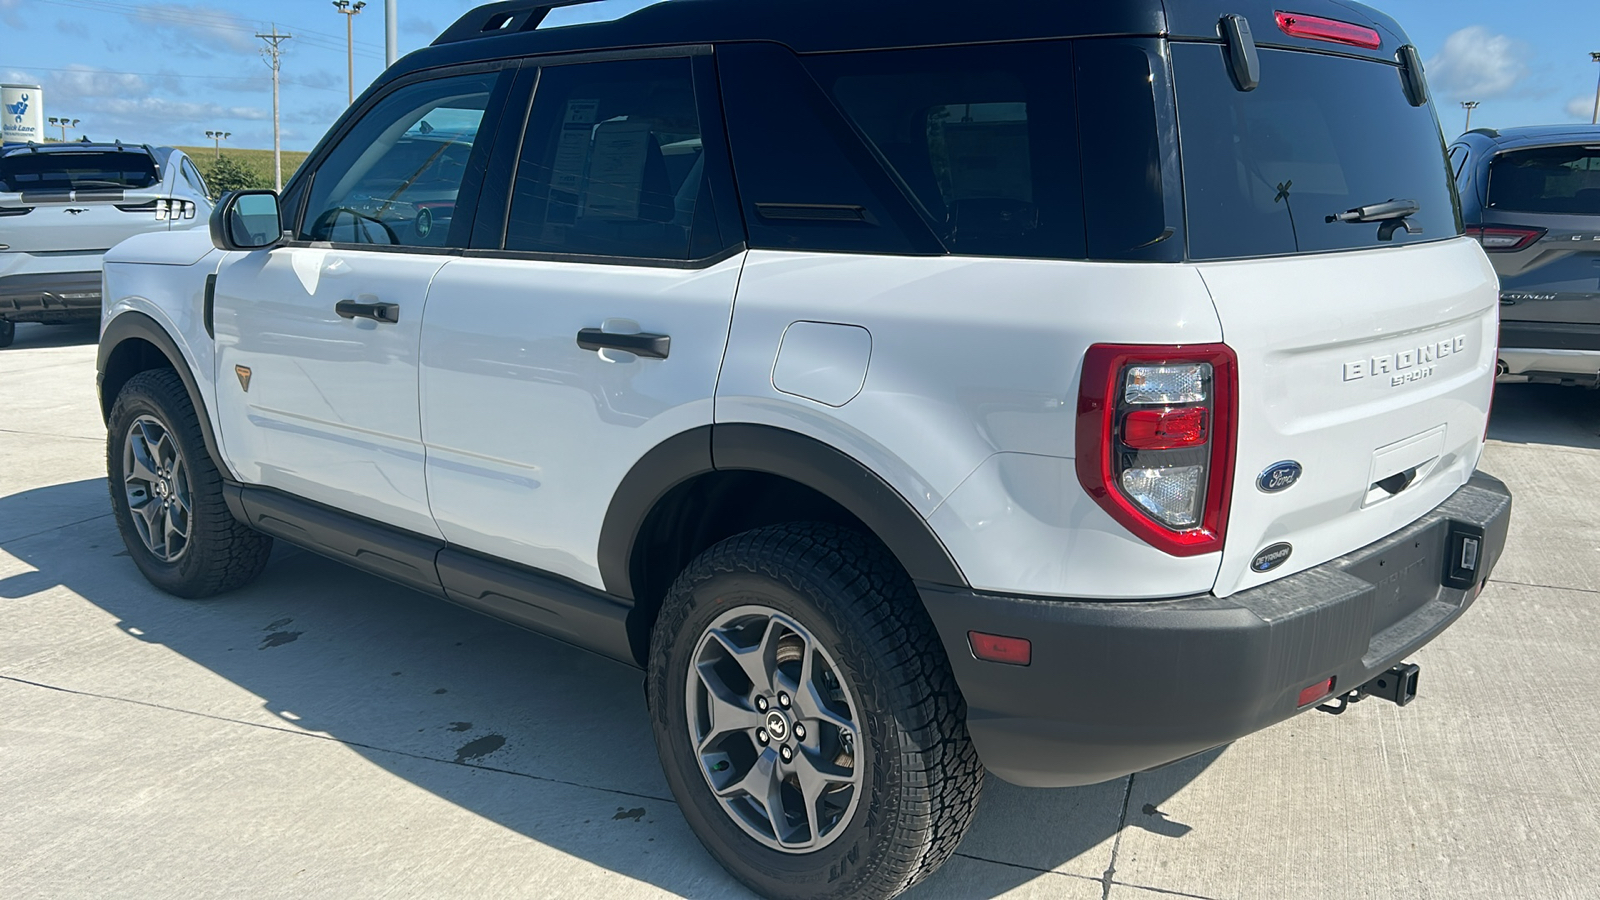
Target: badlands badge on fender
x,y
244,377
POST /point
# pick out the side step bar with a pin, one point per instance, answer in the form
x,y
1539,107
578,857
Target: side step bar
x,y
1398,686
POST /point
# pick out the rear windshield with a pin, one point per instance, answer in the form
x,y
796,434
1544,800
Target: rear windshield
x,y
1264,170
1547,180
77,170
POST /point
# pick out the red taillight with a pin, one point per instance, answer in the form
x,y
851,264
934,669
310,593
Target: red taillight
x,y
1155,442
1316,692
1001,649
1317,28
1166,429
1505,238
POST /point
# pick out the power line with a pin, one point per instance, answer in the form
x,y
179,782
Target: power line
x,y
81,71
309,37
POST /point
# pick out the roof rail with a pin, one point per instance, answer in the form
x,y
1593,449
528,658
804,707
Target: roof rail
x,y
1486,132
502,18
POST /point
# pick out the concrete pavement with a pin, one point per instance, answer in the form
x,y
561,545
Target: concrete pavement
x,y
324,733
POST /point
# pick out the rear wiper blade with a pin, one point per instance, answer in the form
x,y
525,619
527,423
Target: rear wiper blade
x,y
1394,215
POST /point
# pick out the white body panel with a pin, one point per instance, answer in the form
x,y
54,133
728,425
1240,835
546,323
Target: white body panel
x,y
528,435
972,357
1335,373
331,412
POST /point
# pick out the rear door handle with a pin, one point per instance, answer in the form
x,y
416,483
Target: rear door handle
x,y
378,312
650,346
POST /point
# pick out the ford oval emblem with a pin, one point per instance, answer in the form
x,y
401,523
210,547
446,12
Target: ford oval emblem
x,y
1271,558
1279,476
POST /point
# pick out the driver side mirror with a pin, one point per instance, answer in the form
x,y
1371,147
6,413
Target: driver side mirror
x,y
246,220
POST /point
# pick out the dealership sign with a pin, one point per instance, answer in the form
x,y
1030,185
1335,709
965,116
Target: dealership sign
x,y
23,109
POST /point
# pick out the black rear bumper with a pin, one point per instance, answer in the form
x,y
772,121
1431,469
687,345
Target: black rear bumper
x,y
50,297
1120,687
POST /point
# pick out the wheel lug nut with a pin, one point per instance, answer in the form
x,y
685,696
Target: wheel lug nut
x,y
783,700
799,732
761,735
786,753
761,704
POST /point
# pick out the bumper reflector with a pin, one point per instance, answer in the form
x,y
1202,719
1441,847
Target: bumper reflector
x,y
1316,692
998,648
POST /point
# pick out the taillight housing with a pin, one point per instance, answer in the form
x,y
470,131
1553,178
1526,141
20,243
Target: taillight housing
x,y
1155,441
1505,238
1317,28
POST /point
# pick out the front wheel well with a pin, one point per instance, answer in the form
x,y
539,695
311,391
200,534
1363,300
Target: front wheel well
x,y
127,359
704,510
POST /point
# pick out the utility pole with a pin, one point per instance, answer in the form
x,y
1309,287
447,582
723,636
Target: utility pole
x,y
1469,106
1595,119
391,32
218,137
274,55
350,13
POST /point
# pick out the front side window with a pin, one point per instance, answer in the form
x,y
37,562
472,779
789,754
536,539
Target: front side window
x,y
1560,180
394,178
611,163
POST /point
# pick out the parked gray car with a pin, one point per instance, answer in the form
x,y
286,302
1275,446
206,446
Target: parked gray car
x,y
62,206
1532,198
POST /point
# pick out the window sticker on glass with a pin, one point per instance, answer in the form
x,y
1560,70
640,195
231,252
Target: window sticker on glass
x,y
572,152
616,171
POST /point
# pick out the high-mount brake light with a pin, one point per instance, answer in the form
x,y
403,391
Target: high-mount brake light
x,y
1155,441
1505,238
1317,28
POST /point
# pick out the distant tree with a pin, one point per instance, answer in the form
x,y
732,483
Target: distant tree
x,y
228,174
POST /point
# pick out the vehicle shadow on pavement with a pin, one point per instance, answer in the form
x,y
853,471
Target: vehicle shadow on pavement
x,y
541,738
1546,414
33,335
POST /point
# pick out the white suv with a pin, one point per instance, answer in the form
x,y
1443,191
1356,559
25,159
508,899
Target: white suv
x,y
63,205
902,412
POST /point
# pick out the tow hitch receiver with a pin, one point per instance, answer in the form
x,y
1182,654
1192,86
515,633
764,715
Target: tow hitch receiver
x,y
1398,686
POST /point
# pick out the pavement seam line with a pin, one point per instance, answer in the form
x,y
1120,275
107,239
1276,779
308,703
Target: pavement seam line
x,y
1015,865
1116,844
1548,587
23,537
48,434
335,740
1156,890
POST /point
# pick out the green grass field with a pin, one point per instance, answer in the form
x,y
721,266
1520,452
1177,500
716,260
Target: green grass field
x,y
258,161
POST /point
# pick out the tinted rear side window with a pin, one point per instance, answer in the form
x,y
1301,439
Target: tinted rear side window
x,y
1263,170
77,170
1562,180
983,138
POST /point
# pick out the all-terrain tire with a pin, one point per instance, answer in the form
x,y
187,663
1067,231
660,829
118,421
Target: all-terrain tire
x,y
8,333
221,553
922,778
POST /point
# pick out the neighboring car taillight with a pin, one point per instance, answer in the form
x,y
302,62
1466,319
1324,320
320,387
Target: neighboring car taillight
x,y
1505,238
175,209
1156,427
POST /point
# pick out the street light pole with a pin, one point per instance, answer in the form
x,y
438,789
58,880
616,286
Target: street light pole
x,y
64,124
1595,119
1469,106
218,137
350,12
391,32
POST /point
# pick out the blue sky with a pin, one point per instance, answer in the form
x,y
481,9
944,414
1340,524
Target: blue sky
x,y
167,72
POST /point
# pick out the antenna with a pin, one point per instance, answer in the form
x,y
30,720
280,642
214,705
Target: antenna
x,y
273,52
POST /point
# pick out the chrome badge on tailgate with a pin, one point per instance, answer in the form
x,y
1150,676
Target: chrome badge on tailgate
x,y
1405,366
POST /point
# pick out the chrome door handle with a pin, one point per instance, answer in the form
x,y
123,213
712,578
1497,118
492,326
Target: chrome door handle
x,y
378,312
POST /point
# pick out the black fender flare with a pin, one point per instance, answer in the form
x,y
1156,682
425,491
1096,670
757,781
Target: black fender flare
x,y
138,326
775,451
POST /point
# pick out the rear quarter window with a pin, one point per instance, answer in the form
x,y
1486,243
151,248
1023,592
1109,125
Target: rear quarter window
x,y
1559,180
1264,170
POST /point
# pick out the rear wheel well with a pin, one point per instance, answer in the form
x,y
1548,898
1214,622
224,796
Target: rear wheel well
x,y
697,514
127,359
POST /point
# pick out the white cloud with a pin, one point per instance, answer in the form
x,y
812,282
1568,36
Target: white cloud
x,y
1476,64
1581,107
199,30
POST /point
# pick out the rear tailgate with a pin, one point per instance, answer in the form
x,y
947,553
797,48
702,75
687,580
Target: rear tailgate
x,y
80,221
1322,215
1361,367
